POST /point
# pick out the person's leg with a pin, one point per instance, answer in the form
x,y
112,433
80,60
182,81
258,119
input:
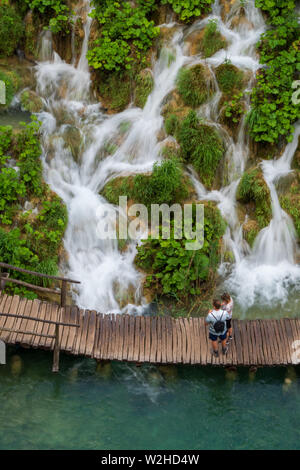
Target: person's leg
x,y
224,345
215,345
214,342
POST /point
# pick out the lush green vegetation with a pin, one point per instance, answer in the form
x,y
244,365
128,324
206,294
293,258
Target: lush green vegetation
x,y
166,184
11,30
273,113
253,189
55,12
193,85
188,9
229,77
212,40
144,86
201,146
28,239
290,202
125,35
234,109
180,273
9,88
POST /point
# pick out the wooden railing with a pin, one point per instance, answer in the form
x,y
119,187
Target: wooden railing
x,y
56,350
5,277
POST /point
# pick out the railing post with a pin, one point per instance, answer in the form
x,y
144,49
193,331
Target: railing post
x,y
3,281
63,296
55,367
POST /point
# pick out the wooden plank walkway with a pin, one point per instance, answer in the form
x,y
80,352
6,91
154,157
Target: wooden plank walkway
x,y
162,340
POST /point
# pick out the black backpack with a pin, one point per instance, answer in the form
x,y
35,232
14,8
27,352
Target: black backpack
x,y
219,325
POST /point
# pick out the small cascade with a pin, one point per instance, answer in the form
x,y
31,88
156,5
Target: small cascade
x,y
45,46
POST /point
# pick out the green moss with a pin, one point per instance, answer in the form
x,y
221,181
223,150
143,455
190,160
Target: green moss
x,y
212,40
114,90
11,30
253,189
290,202
144,86
166,184
230,78
172,124
201,146
31,101
193,85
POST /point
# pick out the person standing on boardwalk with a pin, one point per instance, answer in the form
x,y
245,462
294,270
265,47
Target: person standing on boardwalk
x,y
228,306
216,319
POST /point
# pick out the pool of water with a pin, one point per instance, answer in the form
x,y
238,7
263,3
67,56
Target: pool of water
x,y
123,406
13,117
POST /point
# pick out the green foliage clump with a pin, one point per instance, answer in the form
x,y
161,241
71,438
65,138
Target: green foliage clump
x,y
212,40
165,185
234,109
11,30
229,77
56,12
115,90
34,241
177,272
188,9
290,202
193,85
253,189
273,112
126,34
172,124
201,146
144,86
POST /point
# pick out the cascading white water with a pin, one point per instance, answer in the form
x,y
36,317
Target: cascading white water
x,y
110,282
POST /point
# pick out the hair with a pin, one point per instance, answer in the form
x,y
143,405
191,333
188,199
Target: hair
x,y
217,304
226,297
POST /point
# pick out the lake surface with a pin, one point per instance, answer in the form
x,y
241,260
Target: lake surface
x,y
121,406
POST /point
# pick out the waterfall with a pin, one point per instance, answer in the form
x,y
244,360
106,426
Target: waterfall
x,y
109,280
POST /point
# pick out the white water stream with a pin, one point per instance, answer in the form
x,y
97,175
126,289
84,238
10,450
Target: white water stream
x,y
109,280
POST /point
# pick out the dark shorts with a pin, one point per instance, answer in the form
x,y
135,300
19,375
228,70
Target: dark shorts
x,y
215,337
228,324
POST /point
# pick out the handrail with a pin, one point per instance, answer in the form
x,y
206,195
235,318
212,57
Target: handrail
x,y
4,278
41,320
21,270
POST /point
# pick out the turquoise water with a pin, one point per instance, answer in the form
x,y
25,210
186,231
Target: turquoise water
x,y
127,407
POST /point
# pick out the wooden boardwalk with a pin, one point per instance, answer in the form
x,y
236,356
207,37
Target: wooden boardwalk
x,y
162,340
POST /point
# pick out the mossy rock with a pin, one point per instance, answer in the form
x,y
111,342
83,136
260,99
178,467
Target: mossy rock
x,y
202,146
194,85
290,202
143,88
250,230
230,78
212,40
166,184
253,190
31,102
113,90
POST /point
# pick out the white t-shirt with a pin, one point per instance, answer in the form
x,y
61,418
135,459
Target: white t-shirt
x,y
213,317
229,308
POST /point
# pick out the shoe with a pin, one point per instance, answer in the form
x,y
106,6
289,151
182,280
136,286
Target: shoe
x,y
216,353
230,338
224,350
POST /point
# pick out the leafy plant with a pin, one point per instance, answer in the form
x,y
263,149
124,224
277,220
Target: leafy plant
x,y
177,272
234,109
56,11
11,30
187,9
273,112
125,35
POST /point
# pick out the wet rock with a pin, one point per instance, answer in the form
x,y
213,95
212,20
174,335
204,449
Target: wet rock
x,y
31,102
73,139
